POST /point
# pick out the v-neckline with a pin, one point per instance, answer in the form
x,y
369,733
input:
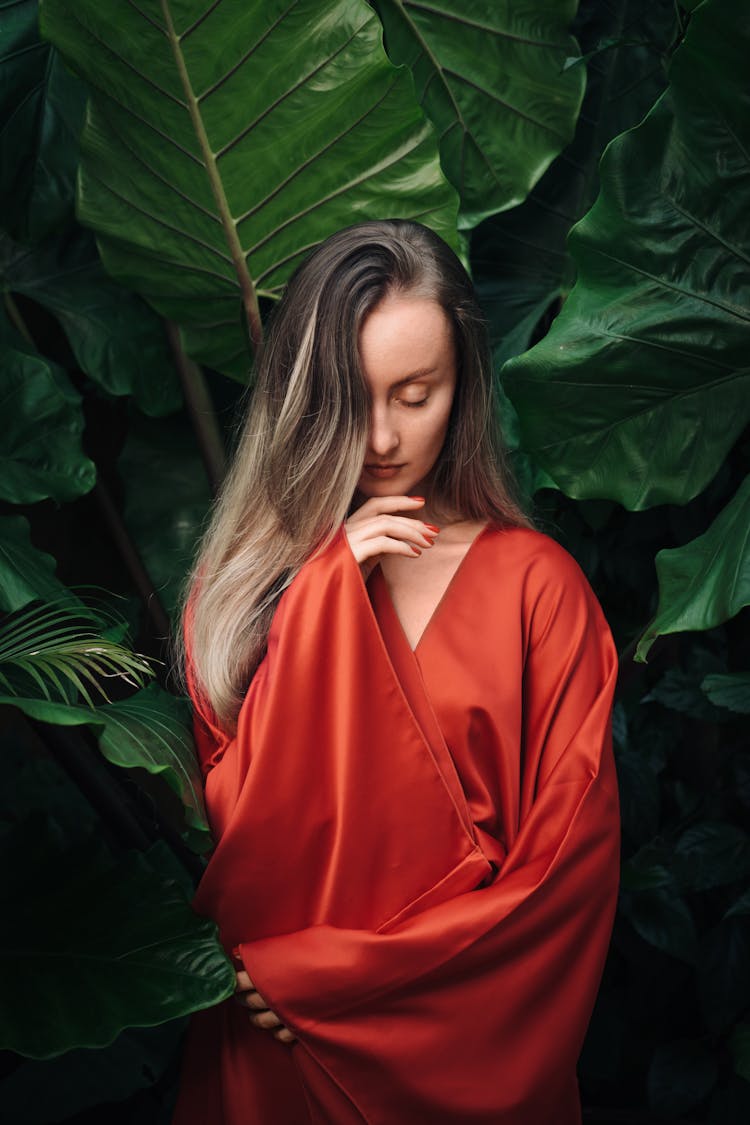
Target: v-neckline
x,y
378,576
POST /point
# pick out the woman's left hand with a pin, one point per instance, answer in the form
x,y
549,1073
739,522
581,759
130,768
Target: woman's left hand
x,y
246,994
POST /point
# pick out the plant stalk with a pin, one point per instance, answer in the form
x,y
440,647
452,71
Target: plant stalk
x,y
201,409
132,560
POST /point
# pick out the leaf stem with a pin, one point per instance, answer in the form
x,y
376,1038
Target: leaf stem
x,y
201,408
249,296
132,560
15,316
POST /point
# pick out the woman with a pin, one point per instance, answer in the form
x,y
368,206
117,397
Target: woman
x,y
403,698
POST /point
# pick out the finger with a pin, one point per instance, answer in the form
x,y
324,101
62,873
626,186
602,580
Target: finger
x,y
396,527
384,545
284,1035
252,1000
243,982
266,1020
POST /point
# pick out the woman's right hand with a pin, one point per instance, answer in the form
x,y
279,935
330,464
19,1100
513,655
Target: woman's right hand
x,y
378,529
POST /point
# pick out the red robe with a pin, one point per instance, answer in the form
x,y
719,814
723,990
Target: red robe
x,y
417,852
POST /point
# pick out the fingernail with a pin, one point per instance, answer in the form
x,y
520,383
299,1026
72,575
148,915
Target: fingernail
x,y
432,527
416,550
420,498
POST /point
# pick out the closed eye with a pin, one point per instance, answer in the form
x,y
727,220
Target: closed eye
x,y
419,402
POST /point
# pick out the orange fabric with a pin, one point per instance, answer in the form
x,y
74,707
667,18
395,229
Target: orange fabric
x,y
417,853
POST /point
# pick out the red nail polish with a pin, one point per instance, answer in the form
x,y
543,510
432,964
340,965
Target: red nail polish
x,y
416,550
421,498
432,527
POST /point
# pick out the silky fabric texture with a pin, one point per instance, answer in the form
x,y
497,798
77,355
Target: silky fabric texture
x,y
417,852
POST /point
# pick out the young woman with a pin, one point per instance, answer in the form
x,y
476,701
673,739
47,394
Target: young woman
x,y
403,697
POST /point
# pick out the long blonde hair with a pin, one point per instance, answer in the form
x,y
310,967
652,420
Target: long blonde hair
x,y
303,443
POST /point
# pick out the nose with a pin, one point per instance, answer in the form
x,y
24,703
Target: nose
x,y
383,436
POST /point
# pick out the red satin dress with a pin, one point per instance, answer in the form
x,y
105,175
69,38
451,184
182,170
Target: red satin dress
x,y
417,852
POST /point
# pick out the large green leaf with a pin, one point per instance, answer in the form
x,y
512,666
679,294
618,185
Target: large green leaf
x,y
222,143
40,439
708,580
641,385
152,730
26,573
41,112
520,260
97,945
491,78
116,338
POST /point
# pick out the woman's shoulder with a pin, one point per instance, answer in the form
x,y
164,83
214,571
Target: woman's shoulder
x,y
529,546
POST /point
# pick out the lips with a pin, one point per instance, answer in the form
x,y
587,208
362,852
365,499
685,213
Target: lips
x,y
383,470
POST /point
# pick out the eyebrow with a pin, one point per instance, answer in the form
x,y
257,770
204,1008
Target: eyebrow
x,y
420,374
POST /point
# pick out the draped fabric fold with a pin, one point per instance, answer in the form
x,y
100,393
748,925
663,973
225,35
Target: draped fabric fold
x,y
417,852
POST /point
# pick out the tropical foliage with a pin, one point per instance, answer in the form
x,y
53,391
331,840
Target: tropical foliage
x,y
164,168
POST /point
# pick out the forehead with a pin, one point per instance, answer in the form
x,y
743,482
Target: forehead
x,y
405,334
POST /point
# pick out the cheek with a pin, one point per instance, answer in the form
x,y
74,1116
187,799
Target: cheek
x,y
434,430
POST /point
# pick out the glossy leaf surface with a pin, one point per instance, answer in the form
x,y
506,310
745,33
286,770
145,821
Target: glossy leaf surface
x,y
26,572
40,439
152,730
41,112
490,76
116,338
708,580
222,143
109,945
641,385
521,263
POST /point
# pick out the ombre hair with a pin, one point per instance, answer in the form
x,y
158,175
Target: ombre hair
x,y
302,444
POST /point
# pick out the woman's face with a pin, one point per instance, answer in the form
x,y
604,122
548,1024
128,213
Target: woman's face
x,y
409,364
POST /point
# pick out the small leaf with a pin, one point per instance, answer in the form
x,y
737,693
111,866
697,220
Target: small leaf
x,y
707,581
711,854
731,691
26,573
663,920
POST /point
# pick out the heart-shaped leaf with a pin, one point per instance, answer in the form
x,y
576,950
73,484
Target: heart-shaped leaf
x,y
492,79
642,384
520,260
40,440
221,144
116,338
41,113
109,944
